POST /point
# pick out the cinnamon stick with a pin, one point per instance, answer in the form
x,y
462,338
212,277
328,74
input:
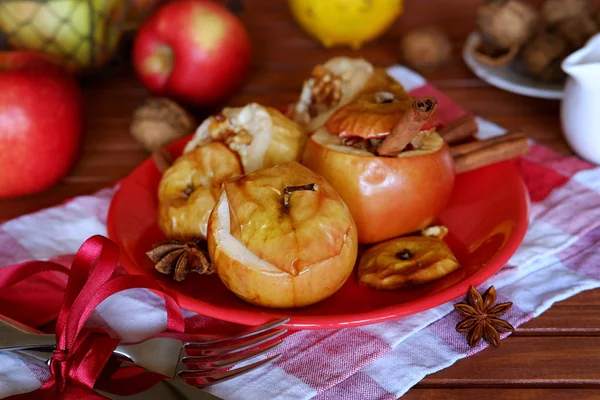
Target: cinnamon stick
x,y
162,159
478,154
465,148
459,130
408,127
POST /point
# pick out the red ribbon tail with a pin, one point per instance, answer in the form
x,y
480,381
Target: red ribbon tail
x,y
81,355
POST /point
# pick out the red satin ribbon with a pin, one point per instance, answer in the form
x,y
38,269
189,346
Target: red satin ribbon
x,y
82,354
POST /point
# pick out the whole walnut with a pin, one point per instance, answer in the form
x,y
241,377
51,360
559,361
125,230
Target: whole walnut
x,y
506,23
555,11
425,48
577,30
159,121
542,56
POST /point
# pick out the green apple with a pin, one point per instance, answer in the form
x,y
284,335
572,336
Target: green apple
x,y
78,34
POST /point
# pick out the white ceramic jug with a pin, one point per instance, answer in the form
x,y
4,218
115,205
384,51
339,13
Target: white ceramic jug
x,y
580,107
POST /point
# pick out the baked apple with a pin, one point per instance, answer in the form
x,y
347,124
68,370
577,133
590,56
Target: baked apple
x,y
405,262
282,237
395,175
189,189
341,81
331,85
261,136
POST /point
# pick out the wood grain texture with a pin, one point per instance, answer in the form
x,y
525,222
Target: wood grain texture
x,y
528,361
502,394
554,356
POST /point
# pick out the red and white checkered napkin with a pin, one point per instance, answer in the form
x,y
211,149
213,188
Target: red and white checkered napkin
x,y
558,258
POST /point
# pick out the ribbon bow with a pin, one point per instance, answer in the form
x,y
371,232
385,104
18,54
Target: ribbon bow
x,y
81,354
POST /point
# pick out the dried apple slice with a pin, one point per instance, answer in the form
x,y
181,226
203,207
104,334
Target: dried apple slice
x,y
189,189
282,237
406,262
261,136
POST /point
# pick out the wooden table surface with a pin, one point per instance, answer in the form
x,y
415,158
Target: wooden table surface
x,y
554,356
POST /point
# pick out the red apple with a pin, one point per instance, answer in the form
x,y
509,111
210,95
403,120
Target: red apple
x,y
40,123
387,196
192,50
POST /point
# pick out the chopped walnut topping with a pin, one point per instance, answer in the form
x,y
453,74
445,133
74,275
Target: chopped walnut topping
x,y
321,92
352,141
384,97
240,137
226,135
327,88
359,143
417,141
435,231
221,129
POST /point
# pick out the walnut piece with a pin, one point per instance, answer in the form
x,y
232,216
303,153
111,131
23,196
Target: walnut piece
x,y
417,142
222,129
435,231
159,121
321,92
327,87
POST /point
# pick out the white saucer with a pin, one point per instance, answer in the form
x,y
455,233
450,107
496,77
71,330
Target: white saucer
x,y
509,77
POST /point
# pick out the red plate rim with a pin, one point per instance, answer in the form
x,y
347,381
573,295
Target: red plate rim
x,y
262,315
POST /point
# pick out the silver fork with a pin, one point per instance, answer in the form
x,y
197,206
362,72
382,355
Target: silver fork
x,y
200,363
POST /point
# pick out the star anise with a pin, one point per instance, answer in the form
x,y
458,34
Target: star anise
x,y
482,317
180,258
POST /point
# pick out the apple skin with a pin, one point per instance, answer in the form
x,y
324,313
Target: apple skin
x,y
387,197
195,51
40,123
279,289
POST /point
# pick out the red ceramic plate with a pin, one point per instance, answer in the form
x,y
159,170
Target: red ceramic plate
x,y
487,217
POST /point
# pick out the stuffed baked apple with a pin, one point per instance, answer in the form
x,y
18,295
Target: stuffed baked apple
x,y
282,237
236,141
332,85
395,174
261,136
189,189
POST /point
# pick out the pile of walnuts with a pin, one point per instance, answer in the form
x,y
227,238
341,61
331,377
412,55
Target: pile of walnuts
x,y
540,38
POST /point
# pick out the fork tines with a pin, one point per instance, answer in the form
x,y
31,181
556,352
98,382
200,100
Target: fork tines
x,y
206,363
